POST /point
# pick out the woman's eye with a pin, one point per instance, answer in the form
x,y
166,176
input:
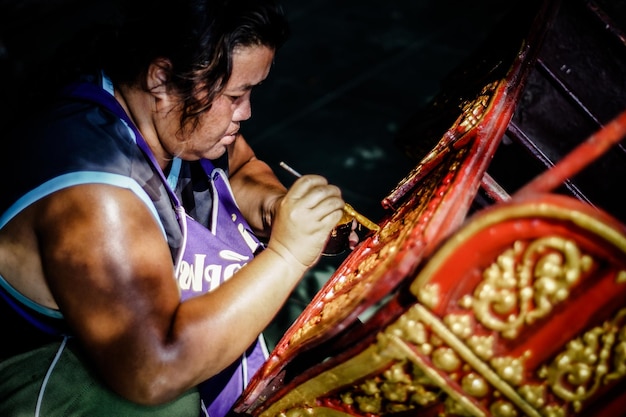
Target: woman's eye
x,y
234,98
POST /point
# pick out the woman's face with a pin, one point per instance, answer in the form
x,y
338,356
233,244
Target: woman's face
x,y
219,126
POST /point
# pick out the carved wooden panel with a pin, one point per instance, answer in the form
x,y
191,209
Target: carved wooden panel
x,y
517,310
521,312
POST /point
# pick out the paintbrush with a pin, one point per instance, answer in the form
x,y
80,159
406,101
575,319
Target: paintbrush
x,y
348,209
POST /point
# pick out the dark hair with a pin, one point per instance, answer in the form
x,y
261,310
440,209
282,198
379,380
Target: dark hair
x,y
198,37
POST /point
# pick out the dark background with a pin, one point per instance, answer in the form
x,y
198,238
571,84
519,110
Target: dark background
x,y
350,77
353,73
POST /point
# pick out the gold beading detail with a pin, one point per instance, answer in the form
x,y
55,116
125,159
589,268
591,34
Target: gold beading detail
x,y
510,369
402,387
429,295
501,408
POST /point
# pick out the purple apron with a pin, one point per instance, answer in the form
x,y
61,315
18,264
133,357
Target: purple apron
x,y
210,258
207,258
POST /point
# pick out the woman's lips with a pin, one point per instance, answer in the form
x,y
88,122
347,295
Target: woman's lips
x,y
229,137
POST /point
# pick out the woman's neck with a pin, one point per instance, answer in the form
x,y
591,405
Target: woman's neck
x,y
137,104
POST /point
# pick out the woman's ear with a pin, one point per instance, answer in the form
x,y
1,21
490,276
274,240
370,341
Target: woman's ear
x,y
158,75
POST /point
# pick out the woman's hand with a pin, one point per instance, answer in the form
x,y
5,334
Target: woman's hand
x,y
304,219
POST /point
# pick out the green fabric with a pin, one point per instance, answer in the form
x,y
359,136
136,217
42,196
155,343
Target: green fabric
x,y
72,389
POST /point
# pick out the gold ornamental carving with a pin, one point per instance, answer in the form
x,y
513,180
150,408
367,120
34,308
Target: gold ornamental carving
x,y
425,360
595,359
454,361
526,282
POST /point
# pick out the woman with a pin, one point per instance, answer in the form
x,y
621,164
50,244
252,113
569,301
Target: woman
x,y
133,277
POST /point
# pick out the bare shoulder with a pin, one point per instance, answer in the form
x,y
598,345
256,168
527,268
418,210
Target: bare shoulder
x,y
76,233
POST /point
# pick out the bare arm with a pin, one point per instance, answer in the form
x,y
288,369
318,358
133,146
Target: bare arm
x,y
110,271
256,188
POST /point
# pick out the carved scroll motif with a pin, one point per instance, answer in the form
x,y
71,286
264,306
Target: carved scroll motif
x,y
596,358
526,282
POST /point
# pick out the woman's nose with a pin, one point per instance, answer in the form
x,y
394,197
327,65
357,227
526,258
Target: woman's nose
x,y
243,110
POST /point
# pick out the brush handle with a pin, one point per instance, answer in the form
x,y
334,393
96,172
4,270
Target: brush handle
x,y
361,218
